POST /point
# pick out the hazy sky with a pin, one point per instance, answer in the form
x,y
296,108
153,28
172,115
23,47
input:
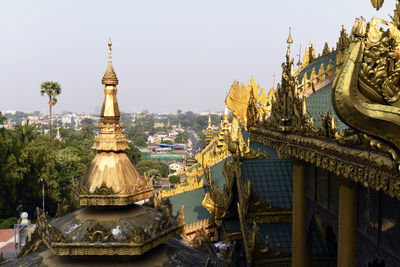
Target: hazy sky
x,y
168,55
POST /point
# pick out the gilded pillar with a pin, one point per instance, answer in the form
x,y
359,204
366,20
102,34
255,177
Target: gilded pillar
x,y
299,234
347,236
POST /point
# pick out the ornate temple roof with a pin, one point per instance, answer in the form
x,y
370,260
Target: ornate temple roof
x,y
320,102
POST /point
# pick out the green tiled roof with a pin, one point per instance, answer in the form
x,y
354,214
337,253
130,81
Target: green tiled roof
x,y
317,64
272,179
232,225
163,157
257,146
194,211
194,166
278,233
216,173
320,102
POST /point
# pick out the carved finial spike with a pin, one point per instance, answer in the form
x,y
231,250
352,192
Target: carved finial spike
x,y
289,39
109,51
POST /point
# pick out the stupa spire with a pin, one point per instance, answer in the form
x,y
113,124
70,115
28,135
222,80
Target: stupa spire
x,y
110,110
110,78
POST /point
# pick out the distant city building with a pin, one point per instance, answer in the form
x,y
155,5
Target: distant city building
x,y
177,166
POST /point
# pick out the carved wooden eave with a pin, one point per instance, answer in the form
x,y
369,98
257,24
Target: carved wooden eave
x,y
366,166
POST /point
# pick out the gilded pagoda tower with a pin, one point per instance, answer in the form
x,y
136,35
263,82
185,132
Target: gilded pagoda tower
x,y
110,223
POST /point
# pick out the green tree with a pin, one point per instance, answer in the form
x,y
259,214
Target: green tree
x,y
140,141
174,179
145,166
2,119
182,138
202,139
168,142
25,132
133,154
52,90
87,121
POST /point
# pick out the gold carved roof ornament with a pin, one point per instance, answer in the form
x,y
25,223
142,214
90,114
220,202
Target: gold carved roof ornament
x,y
288,112
366,93
238,100
111,179
343,41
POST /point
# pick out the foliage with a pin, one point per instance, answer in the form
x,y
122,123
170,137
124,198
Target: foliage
x,y
26,156
152,168
8,223
167,142
140,141
87,121
133,153
174,179
2,118
52,90
182,138
202,139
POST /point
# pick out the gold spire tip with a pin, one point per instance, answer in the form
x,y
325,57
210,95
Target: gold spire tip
x,y
289,39
110,78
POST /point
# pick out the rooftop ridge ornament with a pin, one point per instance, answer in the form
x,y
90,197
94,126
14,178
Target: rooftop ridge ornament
x,y
365,94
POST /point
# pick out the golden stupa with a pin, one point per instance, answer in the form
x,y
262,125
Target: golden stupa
x,y
111,178
110,223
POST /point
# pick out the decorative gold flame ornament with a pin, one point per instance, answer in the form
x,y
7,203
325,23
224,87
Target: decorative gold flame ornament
x,y
120,227
366,92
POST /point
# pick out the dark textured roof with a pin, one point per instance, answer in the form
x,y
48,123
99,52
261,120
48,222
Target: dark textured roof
x,y
319,246
260,147
231,225
278,233
282,233
272,180
320,102
217,175
194,211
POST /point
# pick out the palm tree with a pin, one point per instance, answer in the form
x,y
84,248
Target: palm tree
x,y
52,89
26,132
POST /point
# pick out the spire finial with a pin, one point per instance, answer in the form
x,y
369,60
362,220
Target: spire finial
x,y
289,39
109,51
110,78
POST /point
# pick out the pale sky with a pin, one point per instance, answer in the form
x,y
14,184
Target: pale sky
x,y
167,54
